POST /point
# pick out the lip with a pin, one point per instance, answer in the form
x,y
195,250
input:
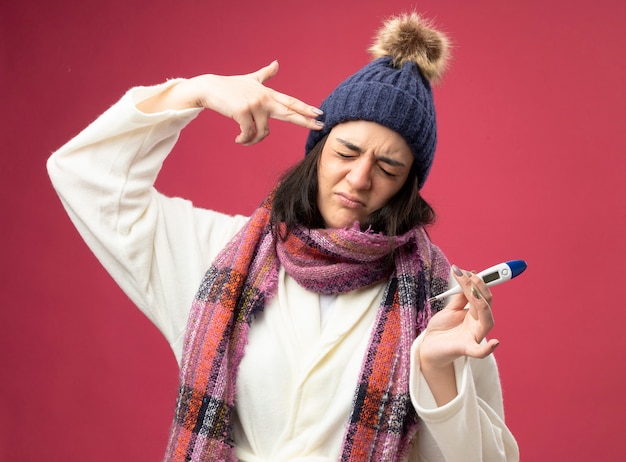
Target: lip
x,y
350,201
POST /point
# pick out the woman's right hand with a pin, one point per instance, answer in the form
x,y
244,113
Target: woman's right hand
x,y
243,98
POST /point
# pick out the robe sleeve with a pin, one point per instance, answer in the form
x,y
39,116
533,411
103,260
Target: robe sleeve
x,y
156,248
469,428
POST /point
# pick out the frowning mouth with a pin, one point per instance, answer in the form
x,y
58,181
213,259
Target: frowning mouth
x,y
350,201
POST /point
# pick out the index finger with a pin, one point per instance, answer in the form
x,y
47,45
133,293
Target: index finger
x,y
480,289
474,289
297,112
480,304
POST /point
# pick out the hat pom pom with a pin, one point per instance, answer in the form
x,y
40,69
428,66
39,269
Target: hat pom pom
x,y
411,38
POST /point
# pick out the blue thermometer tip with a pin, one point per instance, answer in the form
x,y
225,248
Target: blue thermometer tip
x,y
517,267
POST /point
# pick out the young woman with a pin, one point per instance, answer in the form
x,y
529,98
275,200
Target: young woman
x,y
312,336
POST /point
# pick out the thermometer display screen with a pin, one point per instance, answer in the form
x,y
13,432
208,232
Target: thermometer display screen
x,y
491,277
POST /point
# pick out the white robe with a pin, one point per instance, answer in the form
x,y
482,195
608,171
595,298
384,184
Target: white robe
x,y
299,373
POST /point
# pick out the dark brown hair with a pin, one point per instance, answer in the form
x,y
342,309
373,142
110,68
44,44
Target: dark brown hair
x,y
295,201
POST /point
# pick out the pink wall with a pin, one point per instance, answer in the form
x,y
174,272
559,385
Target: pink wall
x,y
530,165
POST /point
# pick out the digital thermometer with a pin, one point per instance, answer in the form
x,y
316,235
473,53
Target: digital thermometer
x,y
495,275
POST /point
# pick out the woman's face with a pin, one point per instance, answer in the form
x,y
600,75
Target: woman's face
x,y
362,166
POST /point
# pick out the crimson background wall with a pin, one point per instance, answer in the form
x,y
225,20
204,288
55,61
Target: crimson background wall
x,y
530,165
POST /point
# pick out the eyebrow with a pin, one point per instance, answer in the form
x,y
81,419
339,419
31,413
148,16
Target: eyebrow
x,y
382,158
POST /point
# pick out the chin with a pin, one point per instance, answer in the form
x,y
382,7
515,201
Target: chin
x,y
343,224
342,221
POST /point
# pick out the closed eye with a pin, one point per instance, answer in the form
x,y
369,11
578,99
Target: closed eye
x,y
386,172
344,155
390,166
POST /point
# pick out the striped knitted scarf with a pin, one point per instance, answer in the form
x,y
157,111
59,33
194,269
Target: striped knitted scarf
x,y
243,277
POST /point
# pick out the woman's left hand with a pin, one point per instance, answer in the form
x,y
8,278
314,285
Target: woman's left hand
x,y
459,331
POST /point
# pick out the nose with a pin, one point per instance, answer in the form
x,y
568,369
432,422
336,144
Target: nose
x,y
360,174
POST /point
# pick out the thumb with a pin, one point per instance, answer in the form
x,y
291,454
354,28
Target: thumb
x,y
483,349
267,72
